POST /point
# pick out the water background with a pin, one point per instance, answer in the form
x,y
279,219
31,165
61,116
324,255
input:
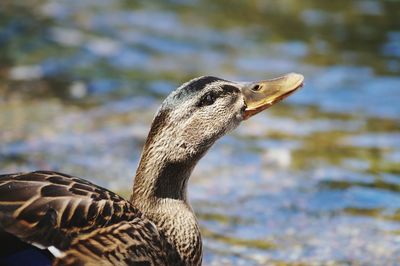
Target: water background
x,y
314,180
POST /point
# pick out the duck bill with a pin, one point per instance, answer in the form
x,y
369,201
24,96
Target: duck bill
x,y
263,94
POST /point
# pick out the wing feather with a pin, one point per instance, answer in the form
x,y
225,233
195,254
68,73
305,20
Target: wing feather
x,y
135,242
51,209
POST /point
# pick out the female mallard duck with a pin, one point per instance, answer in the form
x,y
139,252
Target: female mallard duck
x,y
84,224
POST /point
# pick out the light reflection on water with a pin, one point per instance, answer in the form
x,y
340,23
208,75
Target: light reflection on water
x,y
313,180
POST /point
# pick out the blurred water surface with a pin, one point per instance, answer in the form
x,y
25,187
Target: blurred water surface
x,y
312,181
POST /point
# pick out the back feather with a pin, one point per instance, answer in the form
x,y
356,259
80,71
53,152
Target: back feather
x,y
50,209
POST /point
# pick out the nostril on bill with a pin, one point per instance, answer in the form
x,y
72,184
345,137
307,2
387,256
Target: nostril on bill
x,y
256,87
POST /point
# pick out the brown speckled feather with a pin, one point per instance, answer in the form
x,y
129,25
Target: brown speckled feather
x,y
136,242
50,209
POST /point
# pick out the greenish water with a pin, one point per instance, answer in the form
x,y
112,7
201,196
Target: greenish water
x,y
312,181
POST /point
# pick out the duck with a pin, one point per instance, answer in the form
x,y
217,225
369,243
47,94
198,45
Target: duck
x,y
71,221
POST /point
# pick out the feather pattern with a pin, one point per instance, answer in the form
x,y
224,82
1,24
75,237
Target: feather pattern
x,y
136,242
50,209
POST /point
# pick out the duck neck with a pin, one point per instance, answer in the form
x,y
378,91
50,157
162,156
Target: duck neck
x,y
159,192
159,178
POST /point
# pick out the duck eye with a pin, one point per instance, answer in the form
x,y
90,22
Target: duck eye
x,y
208,99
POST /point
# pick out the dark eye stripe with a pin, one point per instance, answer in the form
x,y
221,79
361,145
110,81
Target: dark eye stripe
x,y
208,99
230,89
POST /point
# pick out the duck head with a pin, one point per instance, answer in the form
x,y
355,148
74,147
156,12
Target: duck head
x,y
202,110
193,117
